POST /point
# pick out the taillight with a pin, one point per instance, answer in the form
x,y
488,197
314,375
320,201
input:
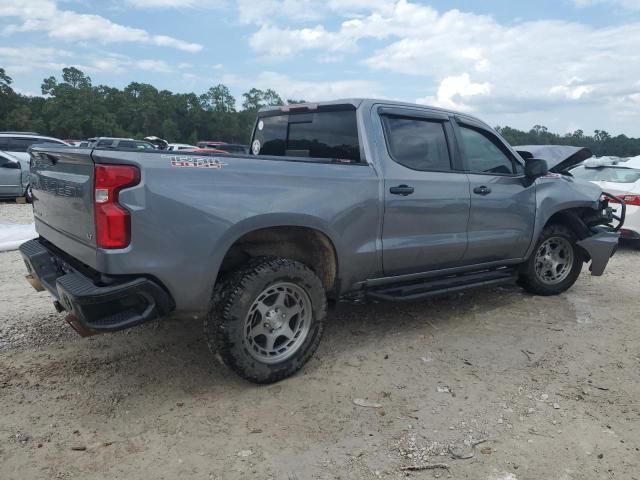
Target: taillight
x,y
113,223
628,199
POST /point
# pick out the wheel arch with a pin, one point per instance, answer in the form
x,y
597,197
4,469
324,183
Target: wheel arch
x,y
303,239
568,215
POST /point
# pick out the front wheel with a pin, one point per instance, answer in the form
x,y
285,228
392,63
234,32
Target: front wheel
x,y
266,320
28,194
555,264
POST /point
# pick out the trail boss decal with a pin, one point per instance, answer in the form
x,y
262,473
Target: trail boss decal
x,y
194,162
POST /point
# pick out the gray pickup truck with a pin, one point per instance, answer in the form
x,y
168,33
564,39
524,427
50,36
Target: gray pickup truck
x,y
368,198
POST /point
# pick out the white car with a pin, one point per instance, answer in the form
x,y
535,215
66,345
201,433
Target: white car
x,y
18,143
180,146
621,179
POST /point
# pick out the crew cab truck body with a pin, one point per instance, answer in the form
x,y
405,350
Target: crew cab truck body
x,y
355,197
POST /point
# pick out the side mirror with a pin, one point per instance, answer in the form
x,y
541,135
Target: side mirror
x,y
535,167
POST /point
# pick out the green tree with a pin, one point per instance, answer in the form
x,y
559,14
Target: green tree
x,y
219,99
255,99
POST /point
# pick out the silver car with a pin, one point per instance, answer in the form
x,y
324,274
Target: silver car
x,y
14,176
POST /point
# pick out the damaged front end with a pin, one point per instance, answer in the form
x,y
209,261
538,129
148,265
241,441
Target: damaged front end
x,y
604,224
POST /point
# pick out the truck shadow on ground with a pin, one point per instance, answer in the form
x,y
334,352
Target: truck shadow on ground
x,y
175,350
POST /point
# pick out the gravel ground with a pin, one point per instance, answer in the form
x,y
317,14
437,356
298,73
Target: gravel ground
x,y
548,386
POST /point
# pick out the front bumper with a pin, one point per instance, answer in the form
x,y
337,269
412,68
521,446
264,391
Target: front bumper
x,y
98,304
600,248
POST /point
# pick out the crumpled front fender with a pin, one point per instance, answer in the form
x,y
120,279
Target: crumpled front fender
x,y
600,248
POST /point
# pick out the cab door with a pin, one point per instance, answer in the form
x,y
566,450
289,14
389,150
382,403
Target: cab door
x,y
426,195
503,202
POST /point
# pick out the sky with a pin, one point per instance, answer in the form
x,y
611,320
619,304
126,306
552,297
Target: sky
x,y
565,64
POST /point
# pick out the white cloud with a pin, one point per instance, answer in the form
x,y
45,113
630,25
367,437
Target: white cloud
x,y
453,91
25,59
288,87
44,15
478,63
264,12
28,59
177,4
153,65
311,91
626,4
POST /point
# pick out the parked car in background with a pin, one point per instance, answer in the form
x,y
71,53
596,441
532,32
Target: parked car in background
x,y
180,146
216,151
209,144
234,148
623,180
73,143
227,147
14,176
16,145
19,142
113,143
159,143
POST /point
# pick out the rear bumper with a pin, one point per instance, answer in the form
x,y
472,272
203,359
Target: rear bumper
x,y
107,304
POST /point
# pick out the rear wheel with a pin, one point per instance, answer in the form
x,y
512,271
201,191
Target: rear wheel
x,y
555,264
266,319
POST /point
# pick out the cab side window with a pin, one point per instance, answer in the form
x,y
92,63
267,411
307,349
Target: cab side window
x,y
417,143
484,153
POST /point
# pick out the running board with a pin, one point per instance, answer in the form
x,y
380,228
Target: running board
x,y
407,292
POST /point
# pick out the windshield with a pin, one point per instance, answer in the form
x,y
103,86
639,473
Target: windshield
x,y
607,174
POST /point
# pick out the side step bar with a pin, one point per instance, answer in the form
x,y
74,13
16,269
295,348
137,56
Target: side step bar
x,y
444,285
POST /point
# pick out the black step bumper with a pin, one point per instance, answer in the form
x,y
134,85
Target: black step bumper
x,y
100,305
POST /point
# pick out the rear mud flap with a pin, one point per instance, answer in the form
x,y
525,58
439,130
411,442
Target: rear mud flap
x,y
600,248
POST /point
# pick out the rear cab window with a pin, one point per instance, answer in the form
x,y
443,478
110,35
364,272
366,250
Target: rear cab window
x,y
329,133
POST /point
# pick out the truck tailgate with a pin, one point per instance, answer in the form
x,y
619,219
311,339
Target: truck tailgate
x,y
62,184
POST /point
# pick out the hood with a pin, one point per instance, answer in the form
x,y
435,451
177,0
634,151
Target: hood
x,y
161,143
559,158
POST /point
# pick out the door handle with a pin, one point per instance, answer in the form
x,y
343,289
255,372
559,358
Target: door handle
x,y
482,190
403,190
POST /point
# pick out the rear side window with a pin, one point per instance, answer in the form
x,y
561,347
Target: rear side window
x,y
484,154
104,143
331,135
418,144
21,144
133,145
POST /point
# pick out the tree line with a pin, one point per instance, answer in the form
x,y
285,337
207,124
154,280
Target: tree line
x,y
72,107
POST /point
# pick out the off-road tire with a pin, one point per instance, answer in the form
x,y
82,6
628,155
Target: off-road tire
x,y
231,301
528,278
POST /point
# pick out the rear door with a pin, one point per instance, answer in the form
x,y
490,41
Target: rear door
x,y
10,178
503,203
426,193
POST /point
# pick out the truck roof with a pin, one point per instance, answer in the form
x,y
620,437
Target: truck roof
x,y
363,102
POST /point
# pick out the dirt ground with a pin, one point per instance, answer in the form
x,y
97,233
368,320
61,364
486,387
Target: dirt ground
x,y
549,386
